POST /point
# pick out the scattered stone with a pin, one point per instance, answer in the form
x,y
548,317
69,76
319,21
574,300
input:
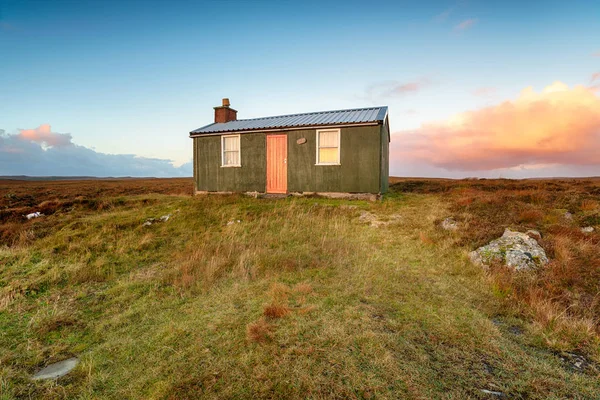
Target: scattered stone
x,y
575,361
34,215
568,216
493,393
514,249
56,370
233,222
449,224
151,221
587,229
374,221
532,233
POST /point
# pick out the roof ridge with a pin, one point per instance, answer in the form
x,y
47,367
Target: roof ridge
x,y
314,118
314,112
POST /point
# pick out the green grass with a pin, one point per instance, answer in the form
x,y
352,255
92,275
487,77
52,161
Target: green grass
x,y
179,309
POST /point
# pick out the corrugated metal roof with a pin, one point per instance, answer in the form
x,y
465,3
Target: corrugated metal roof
x,y
321,118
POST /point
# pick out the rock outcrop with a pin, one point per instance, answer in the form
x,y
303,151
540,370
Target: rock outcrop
x,y
449,224
514,249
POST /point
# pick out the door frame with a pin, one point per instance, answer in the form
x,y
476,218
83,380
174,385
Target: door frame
x,y
280,136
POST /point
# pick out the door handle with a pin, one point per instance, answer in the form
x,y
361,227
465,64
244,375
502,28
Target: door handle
x,y
285,160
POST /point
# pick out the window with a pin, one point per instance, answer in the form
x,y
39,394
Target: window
x,y
230,151
328,147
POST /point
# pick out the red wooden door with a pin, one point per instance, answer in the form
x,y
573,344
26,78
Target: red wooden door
x,y
276,163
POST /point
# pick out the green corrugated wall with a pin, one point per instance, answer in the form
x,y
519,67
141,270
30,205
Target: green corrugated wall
x,y
362,169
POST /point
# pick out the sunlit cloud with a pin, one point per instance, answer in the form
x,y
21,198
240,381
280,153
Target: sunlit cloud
x,y
44,135
595,76
466,24
559,126
41,152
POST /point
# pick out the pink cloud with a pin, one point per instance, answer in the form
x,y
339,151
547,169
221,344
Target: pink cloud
x,y
559,126
408,87
466,24
395,88
43,135
595,76
597,54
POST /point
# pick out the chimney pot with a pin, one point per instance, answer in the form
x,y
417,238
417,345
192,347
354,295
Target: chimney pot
x,y
224,113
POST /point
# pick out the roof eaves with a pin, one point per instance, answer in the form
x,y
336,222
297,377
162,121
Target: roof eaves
x,y
382,113
282,128
201,128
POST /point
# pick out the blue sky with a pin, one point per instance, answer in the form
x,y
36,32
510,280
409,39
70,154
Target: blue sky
x,y
134,77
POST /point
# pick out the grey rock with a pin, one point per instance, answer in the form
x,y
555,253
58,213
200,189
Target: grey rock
x,y
34,215
449,224
165,218
568,216
56,370
514,249
532,233
587,229
575,361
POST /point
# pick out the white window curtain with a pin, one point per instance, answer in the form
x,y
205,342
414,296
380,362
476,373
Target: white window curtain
x,y
231,150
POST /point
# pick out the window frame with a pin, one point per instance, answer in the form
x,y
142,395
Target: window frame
x,y
339,146
223,151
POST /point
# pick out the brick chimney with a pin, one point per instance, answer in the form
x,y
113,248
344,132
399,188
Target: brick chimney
x,y
224,113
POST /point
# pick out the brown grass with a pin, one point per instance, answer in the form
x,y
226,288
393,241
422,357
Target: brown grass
x,y
259,331
562,298
530,216
589,205
425,239
276,311
371,311
19,198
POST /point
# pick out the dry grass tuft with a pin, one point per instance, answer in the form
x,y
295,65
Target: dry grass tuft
x,y
279,292
259,331
425,239
530,216
303,287
589,205
276,311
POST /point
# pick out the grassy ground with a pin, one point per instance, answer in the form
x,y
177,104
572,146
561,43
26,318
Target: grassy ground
x,y
299,299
